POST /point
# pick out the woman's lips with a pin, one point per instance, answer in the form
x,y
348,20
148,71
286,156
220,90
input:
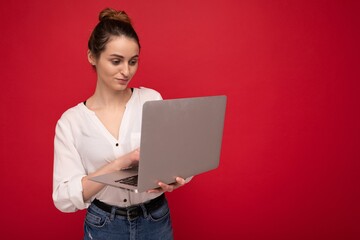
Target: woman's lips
x,y
122,81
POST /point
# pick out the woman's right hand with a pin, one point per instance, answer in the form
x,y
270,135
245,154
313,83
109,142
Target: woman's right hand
x,y
128,160
90,188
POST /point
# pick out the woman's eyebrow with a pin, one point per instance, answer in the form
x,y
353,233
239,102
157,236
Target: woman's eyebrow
x,y
116,55
120,56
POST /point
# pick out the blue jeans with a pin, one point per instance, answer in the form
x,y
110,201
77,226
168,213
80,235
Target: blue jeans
x,y
108,226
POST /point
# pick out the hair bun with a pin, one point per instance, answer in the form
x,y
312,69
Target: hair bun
x,y
113,14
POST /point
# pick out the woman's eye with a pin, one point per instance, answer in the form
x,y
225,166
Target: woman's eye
x,y
115,62
133,62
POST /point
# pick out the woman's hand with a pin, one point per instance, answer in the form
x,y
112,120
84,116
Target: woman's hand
x,y
128,160
90,188
168,187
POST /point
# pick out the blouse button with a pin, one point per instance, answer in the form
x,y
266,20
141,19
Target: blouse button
x,y
117,144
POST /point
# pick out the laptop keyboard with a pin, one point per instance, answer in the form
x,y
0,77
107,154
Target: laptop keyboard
x,y
129,180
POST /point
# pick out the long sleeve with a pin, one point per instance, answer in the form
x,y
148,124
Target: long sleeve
x,y
68,170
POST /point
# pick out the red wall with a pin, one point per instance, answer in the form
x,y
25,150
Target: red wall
x,y
290,158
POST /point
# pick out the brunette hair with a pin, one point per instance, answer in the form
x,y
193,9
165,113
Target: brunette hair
x,y
112,23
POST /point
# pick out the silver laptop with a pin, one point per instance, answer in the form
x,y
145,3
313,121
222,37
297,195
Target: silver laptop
x,y
179,137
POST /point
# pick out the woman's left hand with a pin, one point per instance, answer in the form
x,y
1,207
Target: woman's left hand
x,y
168,187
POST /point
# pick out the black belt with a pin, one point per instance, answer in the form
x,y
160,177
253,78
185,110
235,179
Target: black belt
x,y
132,211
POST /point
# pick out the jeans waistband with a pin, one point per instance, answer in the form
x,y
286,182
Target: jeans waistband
x,y
132,211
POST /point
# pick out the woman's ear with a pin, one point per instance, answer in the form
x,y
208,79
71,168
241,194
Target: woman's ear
x,y
91,58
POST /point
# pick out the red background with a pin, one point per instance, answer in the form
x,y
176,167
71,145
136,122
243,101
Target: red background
x,y
290,158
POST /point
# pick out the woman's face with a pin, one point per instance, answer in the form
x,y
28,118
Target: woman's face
x,y
117,64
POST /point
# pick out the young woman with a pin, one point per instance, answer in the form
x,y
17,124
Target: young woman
x,y
102,135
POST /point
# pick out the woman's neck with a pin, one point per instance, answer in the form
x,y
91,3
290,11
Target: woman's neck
x,y
106,100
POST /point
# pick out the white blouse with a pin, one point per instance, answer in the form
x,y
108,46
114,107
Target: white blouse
x,y
82,145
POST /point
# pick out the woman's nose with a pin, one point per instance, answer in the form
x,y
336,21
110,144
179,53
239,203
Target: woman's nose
x,y
125,70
